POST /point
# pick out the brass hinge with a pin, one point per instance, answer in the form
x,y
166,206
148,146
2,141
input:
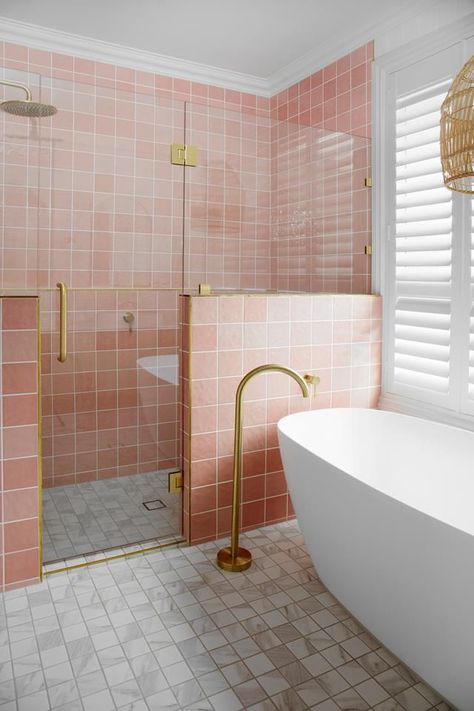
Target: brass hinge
x,y
183,155
368,182
175,482
204,289
368,250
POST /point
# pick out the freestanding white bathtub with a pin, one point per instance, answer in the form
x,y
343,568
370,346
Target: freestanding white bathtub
x,y
385,503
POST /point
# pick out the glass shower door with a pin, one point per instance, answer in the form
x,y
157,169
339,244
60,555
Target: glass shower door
x,y
110,421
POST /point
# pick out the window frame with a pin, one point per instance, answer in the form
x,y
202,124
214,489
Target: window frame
x,y
461,34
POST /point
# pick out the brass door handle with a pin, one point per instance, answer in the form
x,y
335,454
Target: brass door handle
x,y
62,355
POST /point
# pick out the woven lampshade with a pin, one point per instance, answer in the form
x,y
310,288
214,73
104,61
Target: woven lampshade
x,y
457,132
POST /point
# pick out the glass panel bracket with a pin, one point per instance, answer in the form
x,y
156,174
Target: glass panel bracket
x,y
175,482
181,154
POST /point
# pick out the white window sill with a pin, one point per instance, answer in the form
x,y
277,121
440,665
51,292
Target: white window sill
x,y
404,405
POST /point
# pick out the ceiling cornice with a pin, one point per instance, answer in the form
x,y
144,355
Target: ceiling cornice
x,y
51,40
333,48
336,47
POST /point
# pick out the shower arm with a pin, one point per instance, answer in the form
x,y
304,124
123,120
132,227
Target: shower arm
x,y
17,86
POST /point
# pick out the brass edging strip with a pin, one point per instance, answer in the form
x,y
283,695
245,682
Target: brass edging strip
x,y
23,292
114,557
39,435
62,355
190,410
20,291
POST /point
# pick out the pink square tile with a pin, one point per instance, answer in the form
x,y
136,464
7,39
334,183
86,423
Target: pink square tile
x,y
276,508
253,514
21,504
20,410
22,566
204,338
20,473
203,498
21,441
203,526
19,313
21,535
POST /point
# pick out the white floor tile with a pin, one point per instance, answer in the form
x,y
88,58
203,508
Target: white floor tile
x,y
169,630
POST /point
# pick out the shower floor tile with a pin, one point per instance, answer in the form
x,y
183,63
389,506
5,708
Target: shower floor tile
x,y
97,515
169,630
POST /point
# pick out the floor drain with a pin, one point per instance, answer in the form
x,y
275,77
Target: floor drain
x,y
154,505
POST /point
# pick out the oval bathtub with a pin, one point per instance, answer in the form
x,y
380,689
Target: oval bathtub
x,y
385,503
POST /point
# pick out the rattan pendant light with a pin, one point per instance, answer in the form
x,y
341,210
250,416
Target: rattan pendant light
x,y
457,132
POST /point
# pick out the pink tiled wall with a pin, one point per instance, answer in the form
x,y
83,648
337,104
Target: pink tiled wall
x,y
90,198
335,98
228,196
335,337
19,462
320,157
104,414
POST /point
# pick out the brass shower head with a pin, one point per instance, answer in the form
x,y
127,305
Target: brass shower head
x,y
25,107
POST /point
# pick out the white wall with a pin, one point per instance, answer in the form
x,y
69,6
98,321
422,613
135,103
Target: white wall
x,y
432,15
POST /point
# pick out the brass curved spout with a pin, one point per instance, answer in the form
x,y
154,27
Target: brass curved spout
x,y
234,558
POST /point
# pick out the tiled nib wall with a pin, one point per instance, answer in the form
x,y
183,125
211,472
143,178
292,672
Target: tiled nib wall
x,y
19,464
335,337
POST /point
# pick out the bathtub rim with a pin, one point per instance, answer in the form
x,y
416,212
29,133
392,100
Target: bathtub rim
x,y
398,415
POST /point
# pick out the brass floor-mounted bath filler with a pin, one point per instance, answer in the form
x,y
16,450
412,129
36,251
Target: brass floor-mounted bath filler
x,y
233,558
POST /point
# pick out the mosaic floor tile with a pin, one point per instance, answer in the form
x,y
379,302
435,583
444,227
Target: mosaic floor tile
x,y
169,630
98,515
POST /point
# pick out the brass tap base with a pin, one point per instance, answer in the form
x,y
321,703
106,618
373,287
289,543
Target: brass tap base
x,y
242,561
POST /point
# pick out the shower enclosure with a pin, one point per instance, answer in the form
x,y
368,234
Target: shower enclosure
x,y
91,200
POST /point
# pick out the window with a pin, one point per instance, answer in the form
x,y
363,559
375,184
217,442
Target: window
x,y
422,243
426,234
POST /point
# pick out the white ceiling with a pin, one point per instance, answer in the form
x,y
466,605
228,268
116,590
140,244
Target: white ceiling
x,y
254,37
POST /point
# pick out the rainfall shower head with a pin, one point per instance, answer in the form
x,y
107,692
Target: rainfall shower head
x,y
31,109
25,107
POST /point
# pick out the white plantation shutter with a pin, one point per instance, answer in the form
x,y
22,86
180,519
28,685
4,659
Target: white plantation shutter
x,y
422,343
426,236
470,388
422,228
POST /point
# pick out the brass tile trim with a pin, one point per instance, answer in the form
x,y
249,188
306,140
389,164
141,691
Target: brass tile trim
x,y
119,556
190,411
29,292
39,463
62,355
